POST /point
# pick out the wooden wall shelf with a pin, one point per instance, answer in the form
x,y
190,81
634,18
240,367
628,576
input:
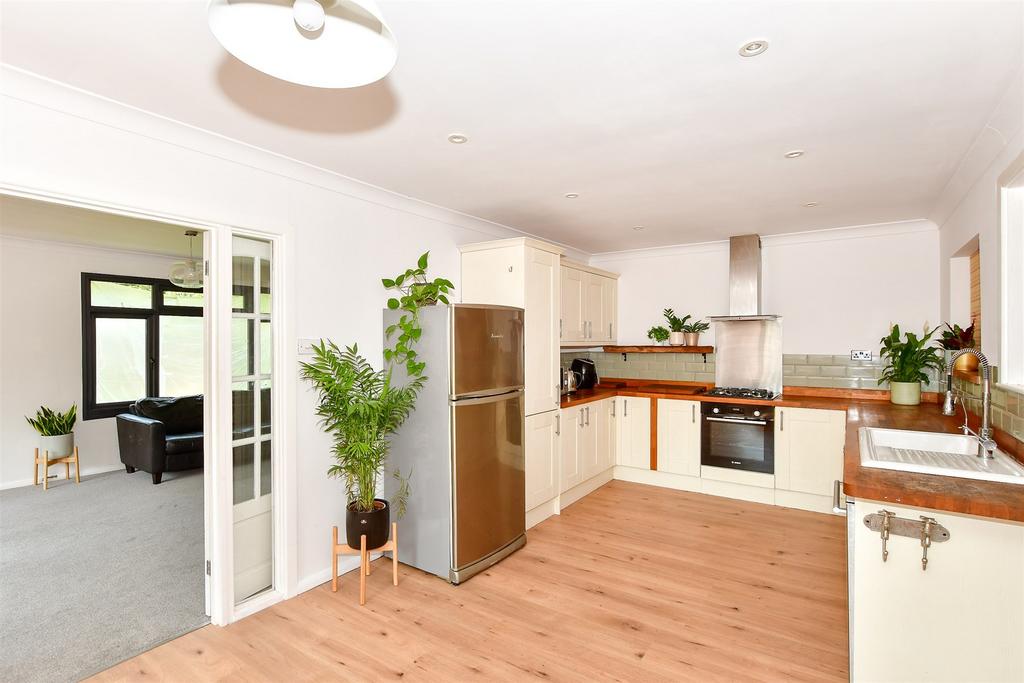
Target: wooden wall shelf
x,y
659,349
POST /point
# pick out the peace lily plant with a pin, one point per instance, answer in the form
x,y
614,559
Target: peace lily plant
x,y
906,360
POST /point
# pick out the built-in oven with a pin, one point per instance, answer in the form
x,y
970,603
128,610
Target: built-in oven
x,y
739,436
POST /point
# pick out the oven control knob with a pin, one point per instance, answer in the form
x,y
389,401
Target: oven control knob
x,y
757,413
715,410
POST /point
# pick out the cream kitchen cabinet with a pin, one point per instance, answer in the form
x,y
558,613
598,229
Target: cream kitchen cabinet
x,y
586,445
601,456
542,457
679,437
808,456
633,422
589,304
525,273
574,441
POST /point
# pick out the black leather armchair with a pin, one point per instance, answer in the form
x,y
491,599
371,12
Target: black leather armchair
x,y
160,435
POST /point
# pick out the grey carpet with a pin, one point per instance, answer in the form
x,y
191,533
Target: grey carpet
x,y
95,573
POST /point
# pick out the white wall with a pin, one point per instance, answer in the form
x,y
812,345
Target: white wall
x,y
41,346
340,236
968,208
836,290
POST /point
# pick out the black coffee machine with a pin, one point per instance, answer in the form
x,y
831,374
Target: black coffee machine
x,y
586,373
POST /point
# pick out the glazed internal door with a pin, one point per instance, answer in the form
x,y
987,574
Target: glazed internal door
x,y
252,480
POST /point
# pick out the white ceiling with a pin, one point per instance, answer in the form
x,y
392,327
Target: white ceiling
x,y
31,219
643,107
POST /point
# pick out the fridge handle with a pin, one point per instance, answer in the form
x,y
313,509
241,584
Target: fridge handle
x,y
493,398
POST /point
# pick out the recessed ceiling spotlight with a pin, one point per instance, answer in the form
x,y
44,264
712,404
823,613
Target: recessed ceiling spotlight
x,y
457,139
753,48
795,154
811,205
638,227
571,195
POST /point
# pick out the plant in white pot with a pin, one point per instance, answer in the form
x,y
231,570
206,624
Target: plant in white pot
x,y
692,331
658,334
905,363
56,431
676,327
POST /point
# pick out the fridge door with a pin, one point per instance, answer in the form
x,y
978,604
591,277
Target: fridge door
x,y
487,350
489,480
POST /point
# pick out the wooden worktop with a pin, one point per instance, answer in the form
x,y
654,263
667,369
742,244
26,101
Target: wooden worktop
x,y
863,409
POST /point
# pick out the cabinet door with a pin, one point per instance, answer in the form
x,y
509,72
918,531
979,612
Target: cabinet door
x,y
809,449
593,307
572,304
604,434
635,433
541,331
570,449
588,447
542,449
610,309
679,437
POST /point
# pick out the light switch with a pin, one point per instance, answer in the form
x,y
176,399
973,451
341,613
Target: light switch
x,y
306,346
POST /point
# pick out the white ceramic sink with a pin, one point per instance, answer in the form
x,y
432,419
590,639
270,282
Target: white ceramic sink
x,y
952,455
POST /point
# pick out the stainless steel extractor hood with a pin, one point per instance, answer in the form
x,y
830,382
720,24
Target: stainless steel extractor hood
x,y
744,280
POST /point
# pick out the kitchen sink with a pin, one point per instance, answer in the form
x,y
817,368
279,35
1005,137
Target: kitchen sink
x,y
951,455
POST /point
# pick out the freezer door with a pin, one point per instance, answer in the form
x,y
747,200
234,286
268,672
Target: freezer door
x,y
487,350
489,476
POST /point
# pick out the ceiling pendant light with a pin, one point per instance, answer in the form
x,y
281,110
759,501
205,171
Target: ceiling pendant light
x,y
319,43
188,273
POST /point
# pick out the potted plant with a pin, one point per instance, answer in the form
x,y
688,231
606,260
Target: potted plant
x,y
692,332
905,364
955,338
658,334
56,431
676,325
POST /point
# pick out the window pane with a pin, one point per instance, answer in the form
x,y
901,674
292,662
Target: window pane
x,y
265,404
243,398
121,294
241,283
265,471
181,355
265,286
241,347
244,476
176,298
120,359
266,347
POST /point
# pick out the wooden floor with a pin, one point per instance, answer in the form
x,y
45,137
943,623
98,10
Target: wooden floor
x,y
632,583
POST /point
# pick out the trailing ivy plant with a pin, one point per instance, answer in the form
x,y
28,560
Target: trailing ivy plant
x,y
415,292
906,360
51,423
675,323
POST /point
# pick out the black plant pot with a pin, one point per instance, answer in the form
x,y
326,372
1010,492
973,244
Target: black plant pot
x,y
376,525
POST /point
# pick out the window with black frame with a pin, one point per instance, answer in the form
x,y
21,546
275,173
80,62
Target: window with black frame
x,y
140,337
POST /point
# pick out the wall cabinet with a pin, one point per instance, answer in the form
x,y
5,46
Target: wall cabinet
x,y
633,421
524,273
809,449
542,458
679,425
589,304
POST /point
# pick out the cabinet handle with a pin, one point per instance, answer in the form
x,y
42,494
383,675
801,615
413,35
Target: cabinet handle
x,y
558,424
581,417
588,416
693,413
782,421
625,408
613,407
837,492
609,330
559,328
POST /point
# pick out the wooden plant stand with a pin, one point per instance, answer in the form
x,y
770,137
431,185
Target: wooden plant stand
x,y
46,461
364,558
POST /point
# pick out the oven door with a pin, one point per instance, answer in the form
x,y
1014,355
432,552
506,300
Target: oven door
x,y
738,444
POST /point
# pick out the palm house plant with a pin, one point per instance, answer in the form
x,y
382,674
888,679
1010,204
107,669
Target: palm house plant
x,y
675,325
361,407
692,331
56,430
905,363
955,338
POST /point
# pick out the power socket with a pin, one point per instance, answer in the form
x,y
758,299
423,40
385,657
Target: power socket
x,y
860,355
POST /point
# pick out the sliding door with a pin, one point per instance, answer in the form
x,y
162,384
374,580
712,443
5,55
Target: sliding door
x,y
252,479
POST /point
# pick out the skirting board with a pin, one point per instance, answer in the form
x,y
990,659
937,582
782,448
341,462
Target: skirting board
x,y
345,565
585,489
86,471
538,514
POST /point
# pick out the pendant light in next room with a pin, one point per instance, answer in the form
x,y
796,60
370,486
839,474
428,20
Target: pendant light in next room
x,y
319,43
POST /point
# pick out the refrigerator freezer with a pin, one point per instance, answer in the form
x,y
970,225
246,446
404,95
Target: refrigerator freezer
x,y
463,443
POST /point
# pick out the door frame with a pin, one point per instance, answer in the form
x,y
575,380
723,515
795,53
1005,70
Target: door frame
x,y
217,474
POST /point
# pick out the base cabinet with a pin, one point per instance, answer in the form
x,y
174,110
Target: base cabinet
x,y
586,448
633,416
572,447
679,437
542,458
961,620
808,455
